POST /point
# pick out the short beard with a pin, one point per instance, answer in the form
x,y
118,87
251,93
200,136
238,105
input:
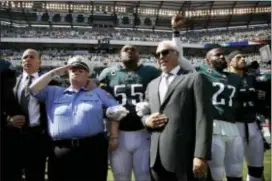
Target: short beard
x,y
130,64
219,67
240,69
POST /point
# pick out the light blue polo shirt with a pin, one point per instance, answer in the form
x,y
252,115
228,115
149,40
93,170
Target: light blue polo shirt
x,y
75,114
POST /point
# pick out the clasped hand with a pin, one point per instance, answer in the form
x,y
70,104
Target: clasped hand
x,y
116,112
156,120
16,121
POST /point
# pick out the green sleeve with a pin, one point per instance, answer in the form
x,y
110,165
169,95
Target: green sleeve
x,y
157,72
103,77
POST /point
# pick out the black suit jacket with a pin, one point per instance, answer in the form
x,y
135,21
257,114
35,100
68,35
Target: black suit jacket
x,y
43,114
188,132
8,104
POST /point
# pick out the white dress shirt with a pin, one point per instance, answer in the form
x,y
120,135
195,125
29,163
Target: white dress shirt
x,y
166,80
33,106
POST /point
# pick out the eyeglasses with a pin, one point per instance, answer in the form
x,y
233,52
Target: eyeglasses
x,y
163,53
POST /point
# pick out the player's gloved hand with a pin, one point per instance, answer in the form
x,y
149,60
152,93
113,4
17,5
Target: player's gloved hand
x,y
116,112
261,94
142,109
267,146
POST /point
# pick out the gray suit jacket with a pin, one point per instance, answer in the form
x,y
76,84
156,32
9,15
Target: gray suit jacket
x,y
188,133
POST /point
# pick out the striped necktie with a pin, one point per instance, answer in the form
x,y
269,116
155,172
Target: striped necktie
x,y
25,95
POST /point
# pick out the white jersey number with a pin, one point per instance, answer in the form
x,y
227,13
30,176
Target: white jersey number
x,y
133,93
220,90
249,103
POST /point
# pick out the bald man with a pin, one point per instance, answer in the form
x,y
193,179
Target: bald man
x,y
30,136
181,119
127,83
227,153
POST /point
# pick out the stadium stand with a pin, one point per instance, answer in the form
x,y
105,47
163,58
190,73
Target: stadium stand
x,y
62,55
207,36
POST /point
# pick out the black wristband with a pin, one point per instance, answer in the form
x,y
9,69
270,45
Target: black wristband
x,y
176,33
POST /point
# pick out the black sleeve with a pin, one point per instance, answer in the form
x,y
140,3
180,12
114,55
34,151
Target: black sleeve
x,y
263,97
9,104
204,116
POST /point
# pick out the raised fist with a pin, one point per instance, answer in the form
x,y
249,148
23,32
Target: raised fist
x,y
178,21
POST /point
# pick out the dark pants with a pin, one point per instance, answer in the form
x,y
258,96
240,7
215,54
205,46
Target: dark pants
x,y
26,151
10,168
82,161
158,173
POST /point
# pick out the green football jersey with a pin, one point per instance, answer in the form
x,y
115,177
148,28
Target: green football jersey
x,y
128,87
246,111
263,88
226,87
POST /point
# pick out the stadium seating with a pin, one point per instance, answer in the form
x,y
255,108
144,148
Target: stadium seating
x,y
54,57
211,36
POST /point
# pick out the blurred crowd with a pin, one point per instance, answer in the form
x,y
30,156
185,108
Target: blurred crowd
x,y
56,57
211,36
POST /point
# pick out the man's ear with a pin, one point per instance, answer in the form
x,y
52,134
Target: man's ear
x,y
229,62
40,62
177,53
138,56
206,61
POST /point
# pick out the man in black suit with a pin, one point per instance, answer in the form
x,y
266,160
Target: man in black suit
x,y
10,109
31,136
181,119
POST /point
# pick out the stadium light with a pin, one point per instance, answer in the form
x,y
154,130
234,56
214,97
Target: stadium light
x,y
61,6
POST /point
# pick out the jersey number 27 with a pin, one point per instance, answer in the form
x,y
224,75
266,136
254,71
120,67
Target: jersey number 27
x,y
222,101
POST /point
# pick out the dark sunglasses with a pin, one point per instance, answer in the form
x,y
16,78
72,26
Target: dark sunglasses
x,y
163,53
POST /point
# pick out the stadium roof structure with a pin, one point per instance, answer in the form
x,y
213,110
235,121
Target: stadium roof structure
x,y
210,21
199,14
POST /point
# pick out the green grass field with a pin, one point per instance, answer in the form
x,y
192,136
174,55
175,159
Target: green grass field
x,y
267,166
267,169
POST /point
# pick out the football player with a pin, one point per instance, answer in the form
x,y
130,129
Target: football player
x,y
264,94
227,154
127,82
246,117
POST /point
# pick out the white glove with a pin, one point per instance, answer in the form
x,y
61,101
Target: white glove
x,y
116,112
142,109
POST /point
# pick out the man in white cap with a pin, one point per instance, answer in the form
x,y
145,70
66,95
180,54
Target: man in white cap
x,y
75,123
